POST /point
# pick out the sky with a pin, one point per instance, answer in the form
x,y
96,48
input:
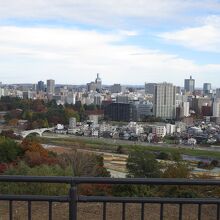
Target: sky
x,y
126,41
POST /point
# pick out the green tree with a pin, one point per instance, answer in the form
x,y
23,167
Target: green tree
x,y
9,150
36,188
142,163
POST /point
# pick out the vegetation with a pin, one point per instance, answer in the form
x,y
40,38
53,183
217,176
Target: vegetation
x,y
40,114
9,150
142,163
31,159
106,145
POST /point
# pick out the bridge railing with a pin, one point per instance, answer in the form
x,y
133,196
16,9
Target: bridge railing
x,y
73,198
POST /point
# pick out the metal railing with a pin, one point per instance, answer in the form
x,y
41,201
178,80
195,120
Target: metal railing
x,y
73,198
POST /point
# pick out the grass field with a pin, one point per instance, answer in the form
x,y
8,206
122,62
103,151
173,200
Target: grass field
x,y
109,146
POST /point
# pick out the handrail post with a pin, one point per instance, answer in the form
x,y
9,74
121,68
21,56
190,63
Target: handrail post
x,y
73,202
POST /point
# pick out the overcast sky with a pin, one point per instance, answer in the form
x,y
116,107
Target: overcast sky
x,y
126,41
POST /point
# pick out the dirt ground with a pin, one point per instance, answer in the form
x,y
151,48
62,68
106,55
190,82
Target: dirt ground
x,y
114,211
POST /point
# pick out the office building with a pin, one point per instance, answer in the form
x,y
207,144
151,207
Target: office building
x,y
40,86
216,108
217,96
149,88
120,112
199,102
50,86
189,85
144,109
122,99
116,88
71,98
98,100
207,88
91,87
165,101
98,83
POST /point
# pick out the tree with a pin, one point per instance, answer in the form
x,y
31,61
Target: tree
x,y
9,150
36,188
178,170
142,163
71,113
85,164
29,145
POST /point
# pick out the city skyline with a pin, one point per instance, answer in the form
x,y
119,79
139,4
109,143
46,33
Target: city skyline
x,y
86,84
130,42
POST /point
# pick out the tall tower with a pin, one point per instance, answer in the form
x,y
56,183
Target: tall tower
x,y
98,82
165,101
189,85
50,86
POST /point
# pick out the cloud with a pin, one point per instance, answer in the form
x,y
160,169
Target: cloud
x,y
101,12
74,56
202,38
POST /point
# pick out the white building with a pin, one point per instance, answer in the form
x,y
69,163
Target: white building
x,y
159,130
2,92
98,100
170,129
71,98
94,119
216,108
165,101
72,122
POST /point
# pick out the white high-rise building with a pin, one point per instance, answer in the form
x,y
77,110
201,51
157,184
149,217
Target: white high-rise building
x,y
165,101
184,109
216,108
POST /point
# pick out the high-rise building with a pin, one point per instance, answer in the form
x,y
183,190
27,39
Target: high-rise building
x,y
98,100
91,86
120,112
40,86
116,88
207,87
98,82
216,108
189,85
165,101
122,99
50,86
217,93
149,88
144,109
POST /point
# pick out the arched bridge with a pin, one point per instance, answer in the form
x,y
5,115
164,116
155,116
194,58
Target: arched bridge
x,y
39,131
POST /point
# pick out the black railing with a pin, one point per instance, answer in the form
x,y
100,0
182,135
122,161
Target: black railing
x,y
73,198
